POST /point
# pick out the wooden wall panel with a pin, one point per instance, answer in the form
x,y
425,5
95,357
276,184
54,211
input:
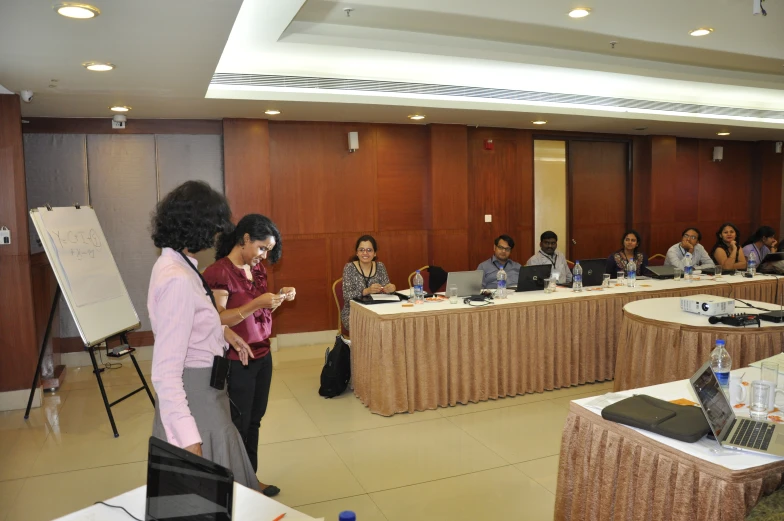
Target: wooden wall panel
x,y
133,126
449,177
317,185
246,166
13,189
768,211
641,188
725,186
44,286
403,164
402,253
449,250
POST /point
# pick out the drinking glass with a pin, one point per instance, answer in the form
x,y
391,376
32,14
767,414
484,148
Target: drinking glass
x,y
451,292
770,372
552,284
620,281
606,280
677,274
760,400
717,272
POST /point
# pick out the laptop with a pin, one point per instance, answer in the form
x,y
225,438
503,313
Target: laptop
x,y
532,277
731,432
770,258
661,272
593,271
468,282
186,487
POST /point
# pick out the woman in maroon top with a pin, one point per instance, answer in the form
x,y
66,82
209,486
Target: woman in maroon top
x,y
239,281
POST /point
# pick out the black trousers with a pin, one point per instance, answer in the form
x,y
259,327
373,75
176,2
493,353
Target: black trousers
x,y
249,387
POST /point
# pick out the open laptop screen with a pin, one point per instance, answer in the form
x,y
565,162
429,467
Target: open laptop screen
x,y
184,487
715,405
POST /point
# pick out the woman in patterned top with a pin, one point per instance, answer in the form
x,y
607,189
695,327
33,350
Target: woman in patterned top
x,y
363,275
630,249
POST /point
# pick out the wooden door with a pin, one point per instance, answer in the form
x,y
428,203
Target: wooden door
x,y
597,191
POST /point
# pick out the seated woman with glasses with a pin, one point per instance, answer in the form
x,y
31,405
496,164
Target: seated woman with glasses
x,y
630,250
363,275
761,243
690,238
726,252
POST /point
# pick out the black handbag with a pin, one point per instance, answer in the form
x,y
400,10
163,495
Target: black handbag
x,y
680,422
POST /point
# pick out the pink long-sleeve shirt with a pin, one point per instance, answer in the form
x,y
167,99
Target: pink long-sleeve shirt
x,y
188,333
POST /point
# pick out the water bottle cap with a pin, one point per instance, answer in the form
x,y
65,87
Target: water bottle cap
x,y
347,515
720,342
577,262
417,271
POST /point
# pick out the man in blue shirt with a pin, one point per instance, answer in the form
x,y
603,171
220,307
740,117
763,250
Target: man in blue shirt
x,y
503,249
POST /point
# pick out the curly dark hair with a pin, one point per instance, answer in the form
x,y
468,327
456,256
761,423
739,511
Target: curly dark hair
x,y
190,216
258,227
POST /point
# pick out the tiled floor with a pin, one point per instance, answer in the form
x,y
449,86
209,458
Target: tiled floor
x,y
493,460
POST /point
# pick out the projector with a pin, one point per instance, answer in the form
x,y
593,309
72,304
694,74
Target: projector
x,y
708,305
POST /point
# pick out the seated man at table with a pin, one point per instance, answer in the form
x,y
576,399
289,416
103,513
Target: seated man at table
x,y
690,243
549,254
500,259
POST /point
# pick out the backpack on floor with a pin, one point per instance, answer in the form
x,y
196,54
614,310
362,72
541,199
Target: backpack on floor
x,y
337,369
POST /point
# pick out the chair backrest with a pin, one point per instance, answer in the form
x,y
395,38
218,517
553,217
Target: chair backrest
x,y
425,277
337,292
570,264
656,260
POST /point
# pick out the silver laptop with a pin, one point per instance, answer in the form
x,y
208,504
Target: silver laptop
x,y
732,432
468,282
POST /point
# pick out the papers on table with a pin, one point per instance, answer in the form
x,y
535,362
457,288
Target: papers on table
x,y
384,298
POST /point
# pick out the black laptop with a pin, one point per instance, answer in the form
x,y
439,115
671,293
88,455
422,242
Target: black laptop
x,y
770,258
661,272
593,272
185,487
532,277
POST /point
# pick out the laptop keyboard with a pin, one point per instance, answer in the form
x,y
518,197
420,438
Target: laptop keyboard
x,y
753,434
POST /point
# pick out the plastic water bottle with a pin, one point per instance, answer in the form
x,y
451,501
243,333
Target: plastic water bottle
x,y
501,279
687,267
631,274
751,264
347,515
419,290
577,277
721,363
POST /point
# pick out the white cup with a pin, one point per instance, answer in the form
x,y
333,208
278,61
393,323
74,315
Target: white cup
x,y
738,392
772,392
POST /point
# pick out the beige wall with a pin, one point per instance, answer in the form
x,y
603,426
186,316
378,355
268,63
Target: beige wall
x,y
550,190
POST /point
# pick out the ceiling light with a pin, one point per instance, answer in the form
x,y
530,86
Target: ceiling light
x,y
416,117
98,66
120,108
702,31
725,133
80,11
539,122
579,12
272,112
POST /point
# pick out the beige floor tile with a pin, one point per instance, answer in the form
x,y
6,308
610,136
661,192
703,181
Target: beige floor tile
x,y
509,401
285,420
544,471
66,493
564,401
519,433
345,413
362,506
279,390
19,449
83,377
9,490
413,453
45,416
84,411
307,471
497,494
295,374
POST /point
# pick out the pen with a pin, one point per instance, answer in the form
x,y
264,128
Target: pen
x,y
279,517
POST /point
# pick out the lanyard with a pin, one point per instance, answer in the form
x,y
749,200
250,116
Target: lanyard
x,y
499,265
370,276
203,282
552,260
759,255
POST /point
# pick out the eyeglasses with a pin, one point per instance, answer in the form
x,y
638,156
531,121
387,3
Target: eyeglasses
x,y
504,248
690,237
365,250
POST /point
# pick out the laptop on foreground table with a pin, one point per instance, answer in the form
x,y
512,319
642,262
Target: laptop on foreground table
x,y
731,432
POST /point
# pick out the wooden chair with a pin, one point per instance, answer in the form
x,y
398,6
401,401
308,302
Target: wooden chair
x,y
656,260
337,292
570,264
425,277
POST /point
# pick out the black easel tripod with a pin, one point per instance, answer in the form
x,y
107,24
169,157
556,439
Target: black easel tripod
x,y
96,370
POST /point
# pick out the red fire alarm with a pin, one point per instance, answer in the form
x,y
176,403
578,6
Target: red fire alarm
x,y
488,144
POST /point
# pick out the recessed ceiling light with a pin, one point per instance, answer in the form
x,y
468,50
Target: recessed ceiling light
x,y
579,12
416,117
539,122
702,31
80,11
98,66
272,112
725,133
120,108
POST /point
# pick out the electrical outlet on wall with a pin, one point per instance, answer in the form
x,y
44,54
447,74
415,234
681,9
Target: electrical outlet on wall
x,y
5,236
488,218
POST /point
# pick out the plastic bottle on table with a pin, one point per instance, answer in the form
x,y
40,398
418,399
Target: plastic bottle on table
x,y
721,363
419,288
631,274
577,277
751,264
687,267
501,279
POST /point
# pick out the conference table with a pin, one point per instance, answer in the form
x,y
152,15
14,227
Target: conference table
x,y
610,471
437,354
660,343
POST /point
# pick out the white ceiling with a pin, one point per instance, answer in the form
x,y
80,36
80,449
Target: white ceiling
x,y
166,53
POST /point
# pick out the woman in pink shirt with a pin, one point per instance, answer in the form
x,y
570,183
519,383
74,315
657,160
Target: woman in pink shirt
x,y
239,280
189,412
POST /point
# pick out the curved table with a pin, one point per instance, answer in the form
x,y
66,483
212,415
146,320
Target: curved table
x,y
660,343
